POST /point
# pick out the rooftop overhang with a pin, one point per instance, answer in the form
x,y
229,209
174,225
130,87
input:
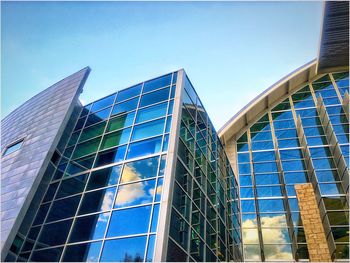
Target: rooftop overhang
x,y
268,98
333,52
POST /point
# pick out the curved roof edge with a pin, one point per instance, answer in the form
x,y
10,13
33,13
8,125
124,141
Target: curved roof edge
x,y
268,97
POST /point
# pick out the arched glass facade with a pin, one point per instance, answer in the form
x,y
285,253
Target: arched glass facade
x,y
304,138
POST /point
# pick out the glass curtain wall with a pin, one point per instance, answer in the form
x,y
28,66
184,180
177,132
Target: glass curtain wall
x,y
204,224
103,200
270,163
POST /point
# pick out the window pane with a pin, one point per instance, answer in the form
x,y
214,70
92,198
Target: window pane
x,y
47,255
273,220
14,147
121,225
125,106
124,250
89,227
148,129
92,131
79,165
115,138
157,83
103,103
55,234
83,252
154,97
104,177
111,156
72,186
152,112
129,93
135,194
86,148
139,170
120,121
97,117
273,205
145,147
63,208
278,252
96,201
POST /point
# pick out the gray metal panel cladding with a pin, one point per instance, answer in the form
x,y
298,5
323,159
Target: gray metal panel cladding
x,y
40,121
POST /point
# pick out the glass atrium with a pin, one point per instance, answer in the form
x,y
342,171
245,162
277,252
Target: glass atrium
x,y
293,143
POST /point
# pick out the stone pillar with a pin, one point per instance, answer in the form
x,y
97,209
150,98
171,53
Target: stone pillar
x,y
313,228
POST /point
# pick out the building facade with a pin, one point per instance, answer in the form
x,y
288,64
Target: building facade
x,y
142,177
301,137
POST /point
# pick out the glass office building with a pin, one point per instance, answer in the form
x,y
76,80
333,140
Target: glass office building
x,y
301,137
142,177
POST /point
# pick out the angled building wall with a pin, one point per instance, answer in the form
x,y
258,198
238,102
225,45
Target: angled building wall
x,y
39,122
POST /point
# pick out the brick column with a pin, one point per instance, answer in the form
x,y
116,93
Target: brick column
x,y
313,228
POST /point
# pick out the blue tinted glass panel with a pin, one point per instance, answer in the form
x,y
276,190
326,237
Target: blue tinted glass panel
x,y
89,227
265,167
138,170
244,168
148,129
96,201
247,192
55,234
331,189
111,156
129,93
83,252
295,178
135,193
98,105
145,147
47,255
124,250
264,179
125,106
248,206
269,191
121,225
97,117
272,205
157,83
150,249
154,97
152,112
245,180
104,177
262,145
264,156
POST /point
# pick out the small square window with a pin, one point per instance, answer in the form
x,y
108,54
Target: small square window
x,y
13,147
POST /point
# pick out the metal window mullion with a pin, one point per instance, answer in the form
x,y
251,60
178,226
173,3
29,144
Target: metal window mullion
x,y
334,145
284,190
257,211
335,85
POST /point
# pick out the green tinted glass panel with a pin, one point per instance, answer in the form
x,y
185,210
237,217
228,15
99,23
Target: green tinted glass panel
x,y
121,121
86,148
92,131
115,139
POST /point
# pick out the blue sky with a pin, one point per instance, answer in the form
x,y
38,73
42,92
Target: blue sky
x,y
231,51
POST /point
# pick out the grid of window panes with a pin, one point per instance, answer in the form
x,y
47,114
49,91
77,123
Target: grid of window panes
x,y
204,223
270,214
103,201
